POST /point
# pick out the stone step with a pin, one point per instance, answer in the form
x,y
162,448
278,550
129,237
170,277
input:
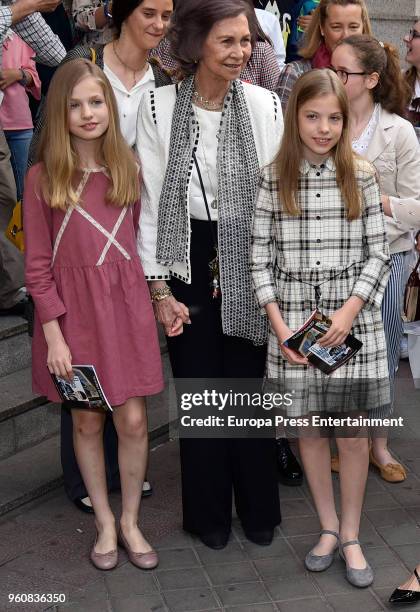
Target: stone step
x,y
25,418
15,345
30,473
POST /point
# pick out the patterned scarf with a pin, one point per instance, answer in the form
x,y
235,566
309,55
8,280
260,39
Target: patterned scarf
x,y
238,172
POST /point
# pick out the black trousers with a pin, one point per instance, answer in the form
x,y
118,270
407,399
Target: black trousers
x,y
73,482
212,469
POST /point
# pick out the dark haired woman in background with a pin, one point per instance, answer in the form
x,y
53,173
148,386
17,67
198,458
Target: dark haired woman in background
x,y
139,25
377,92
197,213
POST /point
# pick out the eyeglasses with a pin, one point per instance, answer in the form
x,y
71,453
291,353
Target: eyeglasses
x,y
343,75
413,34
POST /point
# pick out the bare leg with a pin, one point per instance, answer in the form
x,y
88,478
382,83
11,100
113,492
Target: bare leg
x,y
88,429
316,459
354,464
131,424
380,451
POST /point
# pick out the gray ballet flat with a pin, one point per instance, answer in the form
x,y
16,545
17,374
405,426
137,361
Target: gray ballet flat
x,y
319,563
360,578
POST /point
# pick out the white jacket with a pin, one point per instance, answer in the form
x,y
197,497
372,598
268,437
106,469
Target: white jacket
x,y
153,137
395,153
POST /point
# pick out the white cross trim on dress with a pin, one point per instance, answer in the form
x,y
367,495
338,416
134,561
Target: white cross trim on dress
x,y
110,236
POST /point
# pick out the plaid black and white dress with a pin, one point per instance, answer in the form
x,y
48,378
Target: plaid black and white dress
x,y
291,255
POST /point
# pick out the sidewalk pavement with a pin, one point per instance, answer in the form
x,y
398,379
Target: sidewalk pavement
x,y
44,548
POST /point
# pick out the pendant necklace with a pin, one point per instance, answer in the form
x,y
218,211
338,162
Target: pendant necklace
x,y
123,63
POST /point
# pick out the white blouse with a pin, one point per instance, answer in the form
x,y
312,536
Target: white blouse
x,y
209,122
360,145
128,101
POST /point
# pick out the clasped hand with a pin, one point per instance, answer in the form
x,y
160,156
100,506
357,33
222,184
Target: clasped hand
x,y
172,314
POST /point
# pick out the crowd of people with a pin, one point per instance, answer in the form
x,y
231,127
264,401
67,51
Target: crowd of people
x,y
190,165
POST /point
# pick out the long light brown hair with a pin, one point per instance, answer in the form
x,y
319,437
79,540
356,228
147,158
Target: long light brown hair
x,y
58,155
311,85
313,37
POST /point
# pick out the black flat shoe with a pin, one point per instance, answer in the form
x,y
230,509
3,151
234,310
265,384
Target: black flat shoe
x,y
262,538
216,540
290,472
84,507
406,596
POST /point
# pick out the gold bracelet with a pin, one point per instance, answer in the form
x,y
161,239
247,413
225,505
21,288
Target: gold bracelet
x,y
160,294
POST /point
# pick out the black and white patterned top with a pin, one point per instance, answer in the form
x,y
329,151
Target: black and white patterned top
x,y
35,32
290,255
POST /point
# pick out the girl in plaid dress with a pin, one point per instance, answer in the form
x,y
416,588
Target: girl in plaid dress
x,y
321,227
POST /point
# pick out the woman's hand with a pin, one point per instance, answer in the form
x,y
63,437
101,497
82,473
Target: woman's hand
x,y
303,21
59,357
172,314
9,76
59,360
291,356
283,332
342,321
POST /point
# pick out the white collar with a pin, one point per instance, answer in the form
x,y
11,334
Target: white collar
x,y
116,83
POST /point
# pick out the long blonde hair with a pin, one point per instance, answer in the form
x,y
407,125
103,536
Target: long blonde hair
x,y
287,163
58,155
313,37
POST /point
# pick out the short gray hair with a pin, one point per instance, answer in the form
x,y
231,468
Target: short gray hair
x,y
192,22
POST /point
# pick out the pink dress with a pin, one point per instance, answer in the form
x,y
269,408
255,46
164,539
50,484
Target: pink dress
x,y
83,269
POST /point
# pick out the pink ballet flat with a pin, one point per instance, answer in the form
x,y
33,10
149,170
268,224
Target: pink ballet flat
x,y
147,560
103,561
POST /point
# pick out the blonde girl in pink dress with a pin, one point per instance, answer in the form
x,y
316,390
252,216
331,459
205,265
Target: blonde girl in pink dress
x,y
92,303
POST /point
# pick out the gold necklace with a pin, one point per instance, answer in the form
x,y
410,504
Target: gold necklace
x,y
123,63
207,104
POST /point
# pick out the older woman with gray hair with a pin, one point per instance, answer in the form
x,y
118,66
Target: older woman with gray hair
x,y
202,144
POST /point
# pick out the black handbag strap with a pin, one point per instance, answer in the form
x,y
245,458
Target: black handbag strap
x,y
203,191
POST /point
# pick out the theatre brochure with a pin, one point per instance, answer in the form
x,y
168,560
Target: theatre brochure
x,y
85,388
305,342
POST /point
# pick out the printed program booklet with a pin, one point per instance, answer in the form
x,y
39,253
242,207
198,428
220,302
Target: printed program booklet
x,y
85,388
305,342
